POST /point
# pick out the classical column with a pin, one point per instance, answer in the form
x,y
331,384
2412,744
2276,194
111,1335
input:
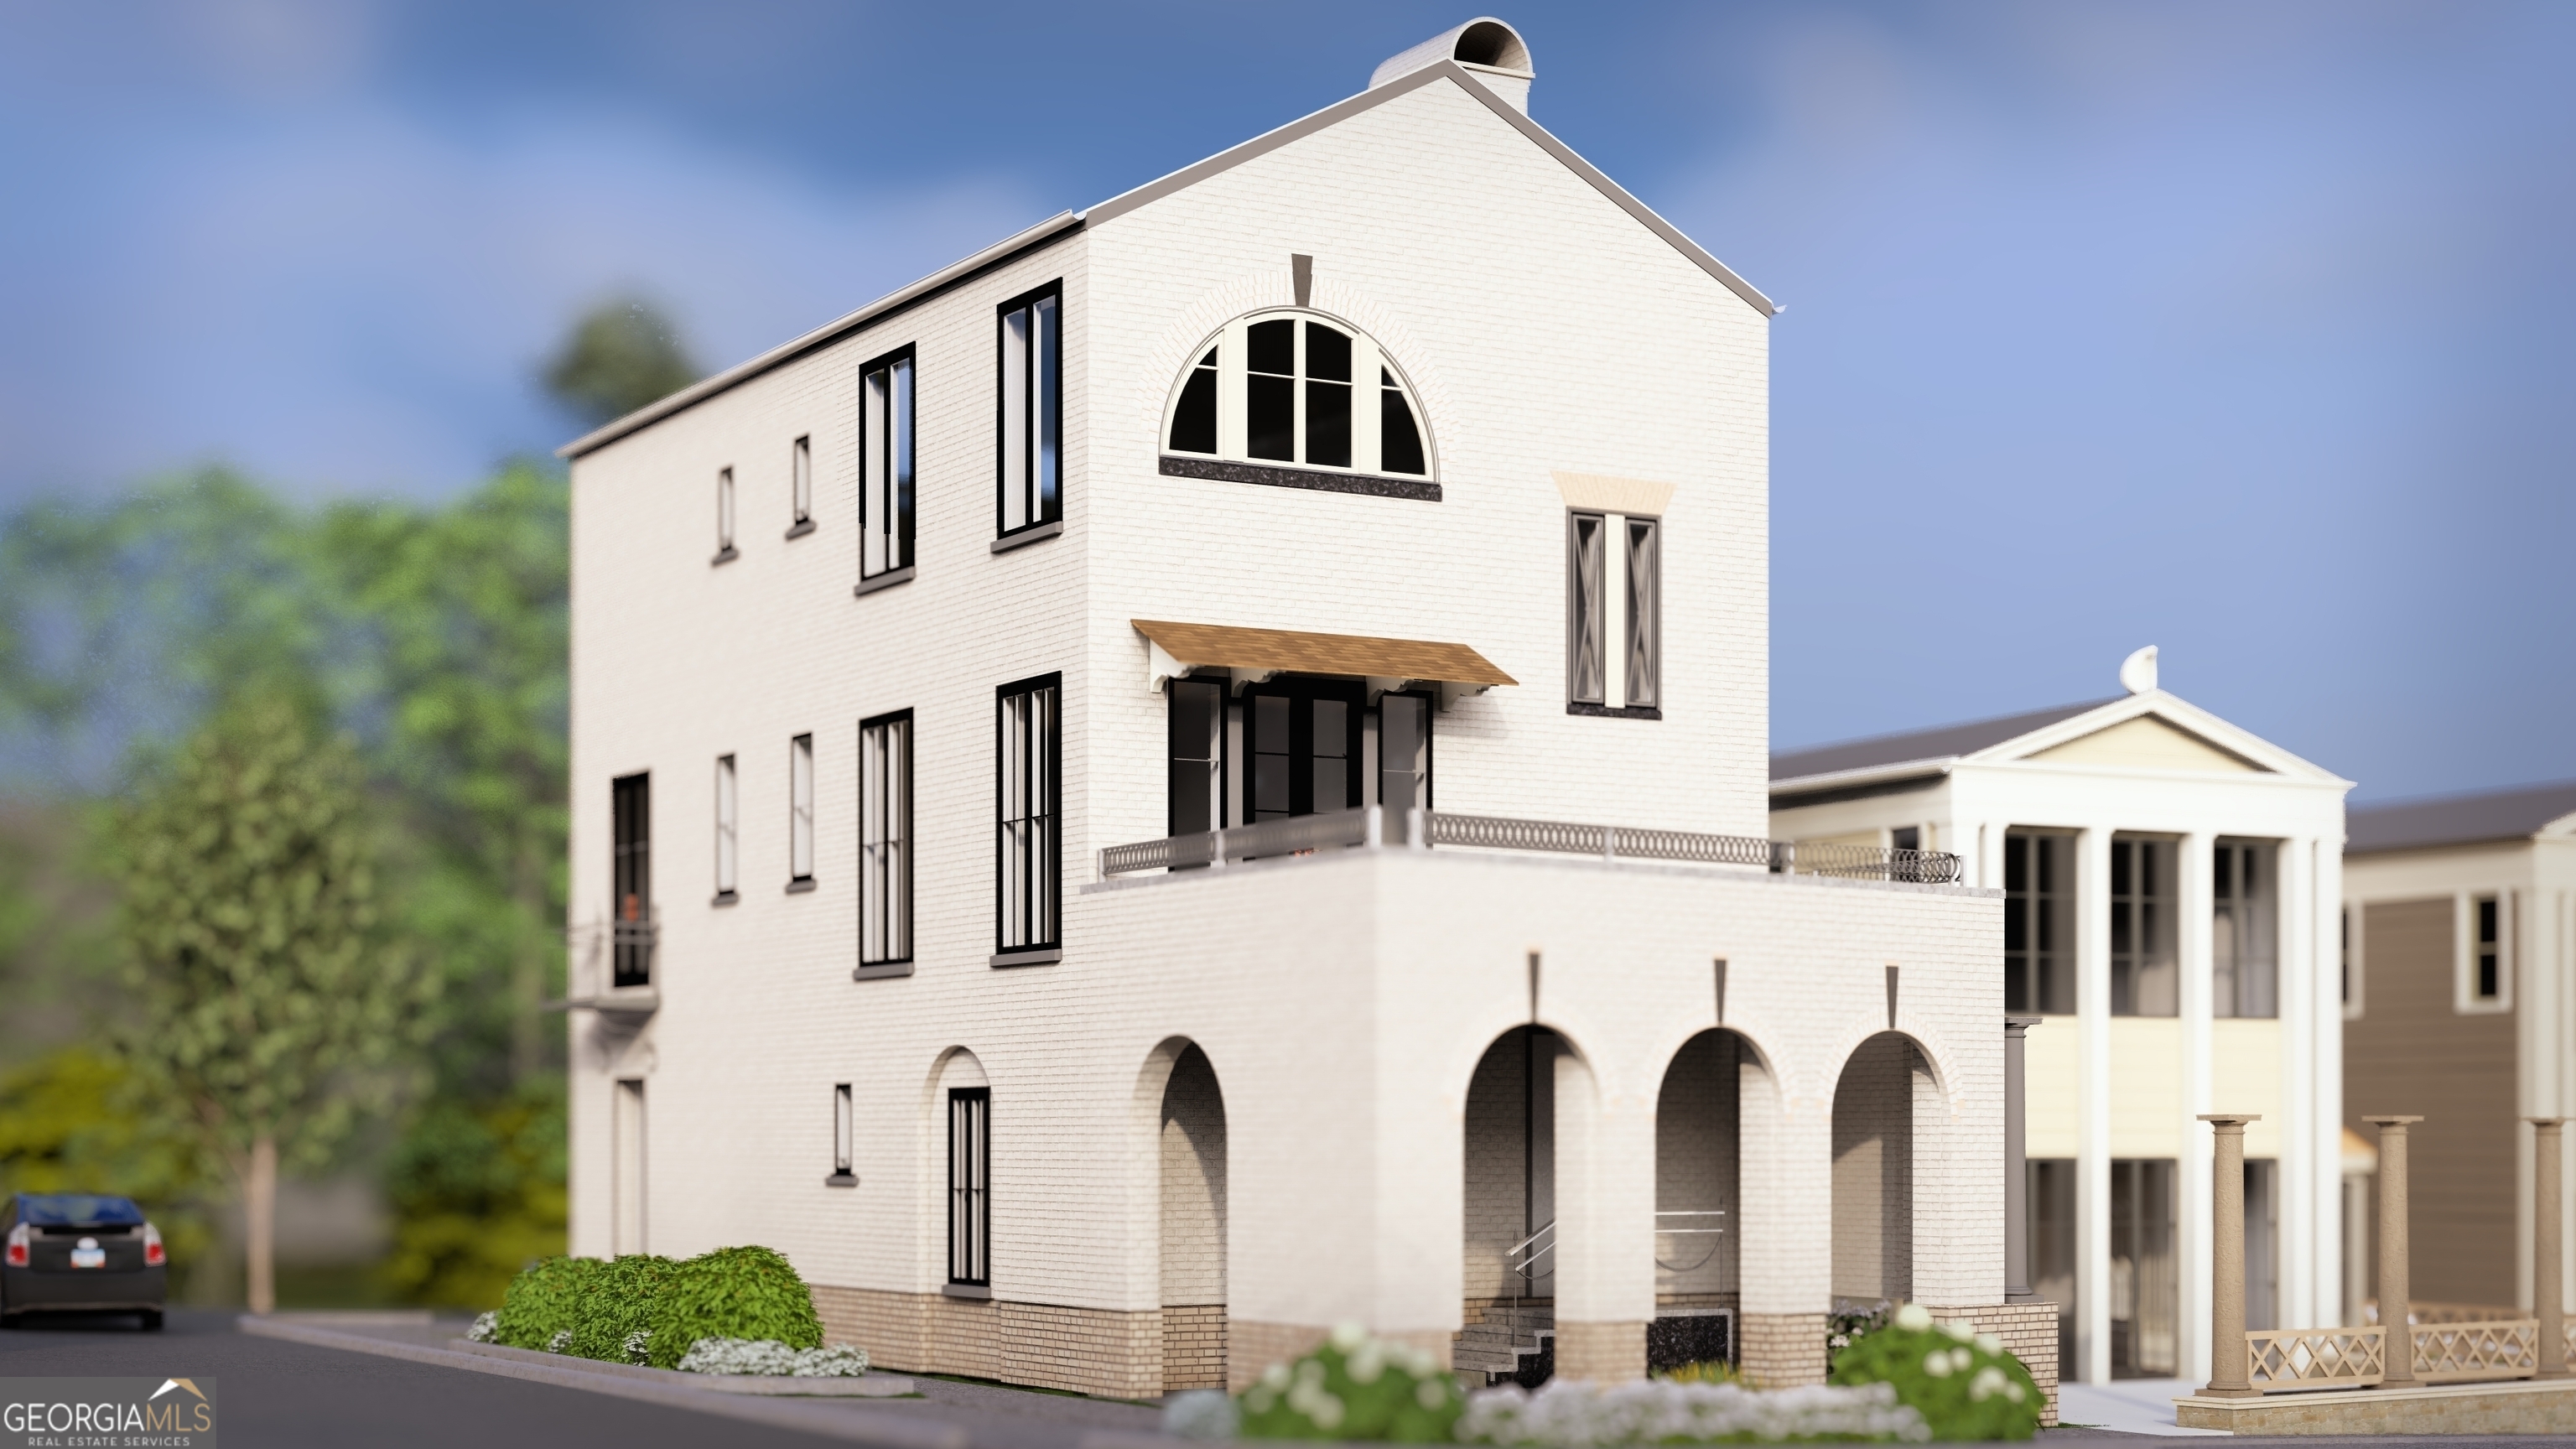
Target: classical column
x,y
2228,1376
2395,1307
2016,1167
2548,1303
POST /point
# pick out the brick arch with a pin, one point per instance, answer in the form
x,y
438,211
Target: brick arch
x,y
1179,1189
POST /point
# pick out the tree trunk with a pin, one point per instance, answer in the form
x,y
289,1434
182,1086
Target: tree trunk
x,y
259,1223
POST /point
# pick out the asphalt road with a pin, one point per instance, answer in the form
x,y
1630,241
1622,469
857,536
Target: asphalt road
x,y
280,1395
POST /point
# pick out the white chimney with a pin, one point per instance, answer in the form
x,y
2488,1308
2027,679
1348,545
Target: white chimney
x,y
1493,51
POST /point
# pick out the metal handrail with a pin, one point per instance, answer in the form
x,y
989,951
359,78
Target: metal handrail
x,y
1528,1266
1663,1232
1423,829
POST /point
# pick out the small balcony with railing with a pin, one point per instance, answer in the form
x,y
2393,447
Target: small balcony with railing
x,y
611,967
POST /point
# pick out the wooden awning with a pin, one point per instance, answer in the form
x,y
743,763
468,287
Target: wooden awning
x,y
1181,648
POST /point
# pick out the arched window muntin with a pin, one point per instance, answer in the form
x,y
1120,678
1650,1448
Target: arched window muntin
x,y
1296,388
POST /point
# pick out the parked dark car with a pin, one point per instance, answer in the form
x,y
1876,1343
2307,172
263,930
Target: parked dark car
x,y
70,1251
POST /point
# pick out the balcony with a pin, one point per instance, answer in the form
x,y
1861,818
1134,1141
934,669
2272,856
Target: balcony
x,y
1377,828
612,969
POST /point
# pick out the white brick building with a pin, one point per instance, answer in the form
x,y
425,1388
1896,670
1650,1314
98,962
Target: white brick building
x,y
1392,474
2171,888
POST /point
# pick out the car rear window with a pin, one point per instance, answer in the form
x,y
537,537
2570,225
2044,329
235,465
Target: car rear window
x,y
78,1210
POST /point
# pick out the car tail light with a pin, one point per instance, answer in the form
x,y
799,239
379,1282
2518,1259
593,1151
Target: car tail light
x,y
18,1246
153,1254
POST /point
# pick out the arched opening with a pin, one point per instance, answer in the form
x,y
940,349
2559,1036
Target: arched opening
x,y
1698,1228
1510,1204
1190,1139
1491,42
1874,1172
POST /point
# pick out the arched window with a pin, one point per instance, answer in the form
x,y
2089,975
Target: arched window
x,y
1299,390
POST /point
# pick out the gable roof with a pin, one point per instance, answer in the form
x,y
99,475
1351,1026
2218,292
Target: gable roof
x,y
2489,815
1065,224
1927,746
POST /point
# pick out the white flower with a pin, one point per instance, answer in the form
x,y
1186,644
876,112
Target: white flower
x,y
633,1347
1989,1382
1366,1365
484,1324
556,1343
1348,1335
2013,1391
1914,1316
1937,1363
1990,1343
1962,1331
769,1357
1841,1340
1431,1393
1201,1414
1276,1376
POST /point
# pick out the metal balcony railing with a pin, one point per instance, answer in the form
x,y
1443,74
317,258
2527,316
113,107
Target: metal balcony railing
x,y
612,967
1424,829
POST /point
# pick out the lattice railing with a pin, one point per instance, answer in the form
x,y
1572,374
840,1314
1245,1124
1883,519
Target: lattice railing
x,y
2459,1353
2317,1358
2420,1312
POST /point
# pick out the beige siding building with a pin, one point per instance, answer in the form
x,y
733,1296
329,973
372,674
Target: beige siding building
x,y
1106,786
2170,884
2460,1005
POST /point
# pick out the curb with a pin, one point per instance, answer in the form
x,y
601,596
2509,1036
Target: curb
x,y
884,1429
866,1386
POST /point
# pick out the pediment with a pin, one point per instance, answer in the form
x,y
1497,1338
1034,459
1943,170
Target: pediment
x,y
2149,742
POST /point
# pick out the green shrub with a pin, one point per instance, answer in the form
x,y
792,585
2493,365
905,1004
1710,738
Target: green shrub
x,y
1707,1371
1963,1383
1355,1387
731,1293
618,1300
543,1301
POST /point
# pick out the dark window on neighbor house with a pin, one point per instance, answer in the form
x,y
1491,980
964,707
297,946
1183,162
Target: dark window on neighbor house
x,y
1587,607
970,1201
631,833
2039,923
2244,930
1032,401
724,514
2489,983
2144,978
800,810
886,464
2345,958
885,840
1195,756
1030,751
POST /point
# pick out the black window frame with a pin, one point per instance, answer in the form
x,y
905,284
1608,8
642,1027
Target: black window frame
x,y
1305,690
900,896
1039,948
800,486
1041,511
1222,801
800,750
631,878
970,1188
905,489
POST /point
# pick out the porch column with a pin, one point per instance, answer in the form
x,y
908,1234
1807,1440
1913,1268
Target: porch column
x,y
2016,1167
1785,1195
2093,1102
2196,1232
2228,1375
2395,1307
1605,1226
2548,1303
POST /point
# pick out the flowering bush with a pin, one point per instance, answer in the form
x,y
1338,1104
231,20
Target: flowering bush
x,y
1578,1415
1354,1387
769,1356
481,1332
1962,1382
751,1293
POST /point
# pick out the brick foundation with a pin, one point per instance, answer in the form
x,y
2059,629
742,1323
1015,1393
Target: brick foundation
x,y
1193,1347
1604,1353
2029,1332
1083,1350
1253,1347
1782,1350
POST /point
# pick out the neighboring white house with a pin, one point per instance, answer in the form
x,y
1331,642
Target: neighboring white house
x,y
1381,493
2460,1006
2171,886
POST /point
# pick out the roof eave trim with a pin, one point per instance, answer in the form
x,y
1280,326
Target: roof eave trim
x,y
1339,111
1866,775
1046,231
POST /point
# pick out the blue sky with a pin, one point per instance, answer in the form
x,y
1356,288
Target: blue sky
x,y
2247,331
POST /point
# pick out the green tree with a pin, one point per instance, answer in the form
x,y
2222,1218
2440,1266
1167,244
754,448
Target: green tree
x,y
621,355
270,1000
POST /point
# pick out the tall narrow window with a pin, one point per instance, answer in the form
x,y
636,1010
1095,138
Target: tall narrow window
x,y
2039,922
1032,396
1196,756
1587,607
885,466
2144,978
885,840
728,830
1645,612
2486,961
970,1202
1404,752
800,812
1030,749
632,889
724,514
2244,939
800,497
843,1123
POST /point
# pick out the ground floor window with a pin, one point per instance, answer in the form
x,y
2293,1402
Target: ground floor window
x,y
2146,1297
970,1202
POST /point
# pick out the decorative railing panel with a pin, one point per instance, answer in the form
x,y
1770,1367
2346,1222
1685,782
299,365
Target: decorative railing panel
x,y
2459,1353
1307,833
2317,1358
